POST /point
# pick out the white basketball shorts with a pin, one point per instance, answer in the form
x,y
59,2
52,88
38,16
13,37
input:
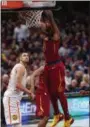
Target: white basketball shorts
x,y
12,110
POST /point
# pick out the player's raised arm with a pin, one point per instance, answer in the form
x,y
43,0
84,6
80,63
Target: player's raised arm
x,y
56,35
34,75
20,72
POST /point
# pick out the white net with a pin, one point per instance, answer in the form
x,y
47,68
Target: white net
x,y
31,17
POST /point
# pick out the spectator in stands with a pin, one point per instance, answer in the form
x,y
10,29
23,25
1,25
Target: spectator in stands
x,y
86,78
64,50
84,85
73,70
21,32
78,77
68,79
73,87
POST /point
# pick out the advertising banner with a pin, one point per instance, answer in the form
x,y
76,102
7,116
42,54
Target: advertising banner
x,y
78,106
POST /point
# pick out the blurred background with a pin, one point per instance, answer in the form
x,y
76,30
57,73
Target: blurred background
x,y
73,20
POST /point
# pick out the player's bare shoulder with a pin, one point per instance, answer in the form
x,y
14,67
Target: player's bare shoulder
x,y
20,67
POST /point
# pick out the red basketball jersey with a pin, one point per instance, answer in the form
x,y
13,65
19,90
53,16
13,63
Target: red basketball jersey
x,y
50,49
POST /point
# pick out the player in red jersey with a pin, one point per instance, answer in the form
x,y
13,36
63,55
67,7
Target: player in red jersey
x,y
42,98
54,69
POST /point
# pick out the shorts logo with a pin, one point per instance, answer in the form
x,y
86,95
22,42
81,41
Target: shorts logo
x,y
14,117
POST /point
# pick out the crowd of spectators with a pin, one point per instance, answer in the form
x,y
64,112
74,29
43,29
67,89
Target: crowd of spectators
x,y
74,50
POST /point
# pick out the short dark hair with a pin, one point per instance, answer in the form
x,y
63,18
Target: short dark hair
x,y
23,53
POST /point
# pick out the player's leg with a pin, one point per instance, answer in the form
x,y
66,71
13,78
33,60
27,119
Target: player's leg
x,y
12,111
53,86
50,78
68,119
57,115
54,101
61,88
42,109
46,107
62,97
43,122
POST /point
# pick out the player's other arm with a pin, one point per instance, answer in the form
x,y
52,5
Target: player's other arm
x,y
56,35
34,75
19,86
29,83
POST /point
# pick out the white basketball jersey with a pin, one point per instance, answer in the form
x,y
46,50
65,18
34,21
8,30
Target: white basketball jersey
x,y
12,90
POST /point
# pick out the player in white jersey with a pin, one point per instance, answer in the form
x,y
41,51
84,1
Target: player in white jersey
x,y
13,94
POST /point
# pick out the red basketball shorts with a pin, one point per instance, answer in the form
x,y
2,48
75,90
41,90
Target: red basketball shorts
x,y
55,78
42,104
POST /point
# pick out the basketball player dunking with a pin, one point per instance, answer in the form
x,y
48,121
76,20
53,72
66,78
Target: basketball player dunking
x,y
14,92
42,98
54,68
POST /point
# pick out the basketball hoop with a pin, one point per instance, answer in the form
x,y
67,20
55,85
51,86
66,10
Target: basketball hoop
x,y
33,10
33,16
